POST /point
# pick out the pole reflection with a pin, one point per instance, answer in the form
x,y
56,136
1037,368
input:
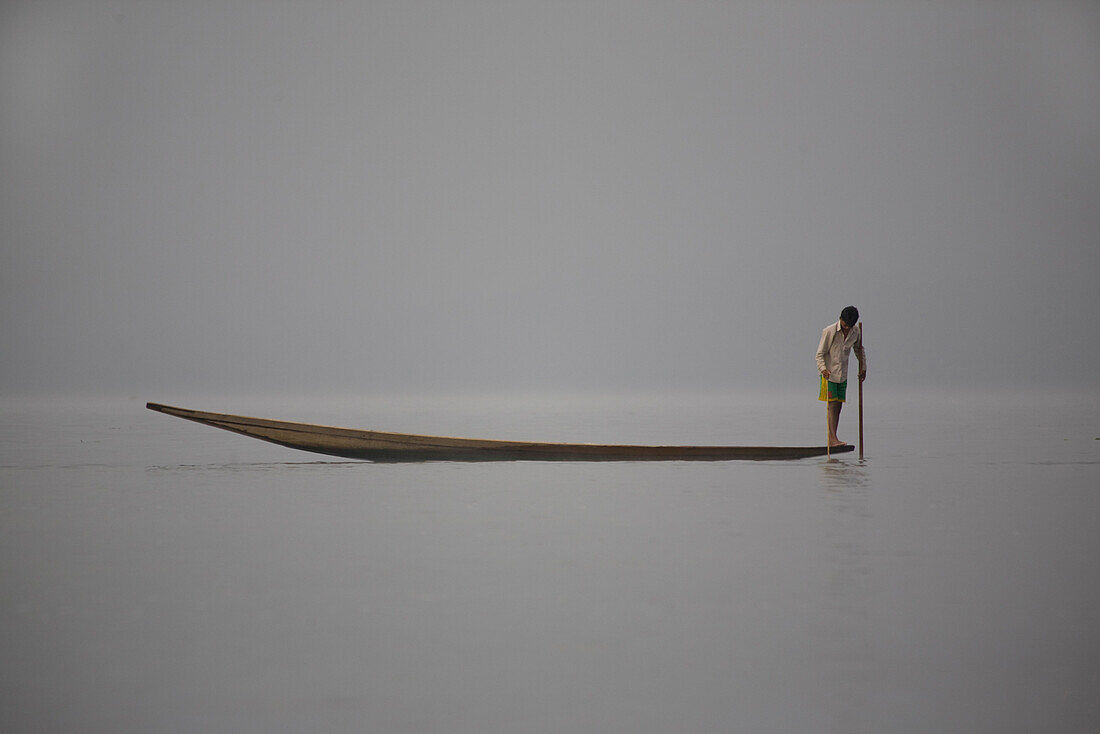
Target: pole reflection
x,y
846,485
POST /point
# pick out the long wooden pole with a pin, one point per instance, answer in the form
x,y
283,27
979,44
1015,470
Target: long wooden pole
x,y
861,398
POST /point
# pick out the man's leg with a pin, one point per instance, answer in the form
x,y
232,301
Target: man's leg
x,y
834,422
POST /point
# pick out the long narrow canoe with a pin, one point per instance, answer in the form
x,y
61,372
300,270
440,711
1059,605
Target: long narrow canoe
x,y
391,447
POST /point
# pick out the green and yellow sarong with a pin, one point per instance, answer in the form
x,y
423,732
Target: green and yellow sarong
x,y
832,392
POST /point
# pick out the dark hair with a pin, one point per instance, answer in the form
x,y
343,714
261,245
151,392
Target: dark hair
x,y
850,315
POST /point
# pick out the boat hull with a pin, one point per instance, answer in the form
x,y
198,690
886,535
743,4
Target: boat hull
x,y
379,446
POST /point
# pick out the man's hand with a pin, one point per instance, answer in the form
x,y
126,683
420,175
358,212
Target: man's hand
x,y
862,375
825,374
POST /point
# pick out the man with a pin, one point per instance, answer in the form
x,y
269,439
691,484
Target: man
x,y
837,340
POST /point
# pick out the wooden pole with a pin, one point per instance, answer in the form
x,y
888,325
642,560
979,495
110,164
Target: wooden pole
x,y
860,398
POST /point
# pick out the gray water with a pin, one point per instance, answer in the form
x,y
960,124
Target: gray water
x,y
161,576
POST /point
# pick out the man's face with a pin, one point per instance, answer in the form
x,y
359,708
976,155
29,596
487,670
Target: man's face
x,y
845,326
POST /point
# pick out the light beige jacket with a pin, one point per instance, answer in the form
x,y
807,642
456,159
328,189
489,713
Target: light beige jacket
x,y
832,351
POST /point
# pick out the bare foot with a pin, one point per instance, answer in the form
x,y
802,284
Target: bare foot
x,y
837,443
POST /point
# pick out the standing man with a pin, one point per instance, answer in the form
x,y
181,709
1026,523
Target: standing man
x,y
837,340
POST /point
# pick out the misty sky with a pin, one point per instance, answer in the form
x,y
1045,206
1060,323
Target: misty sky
x,y
671,195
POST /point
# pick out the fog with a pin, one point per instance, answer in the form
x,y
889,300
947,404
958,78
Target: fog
x,y
422,196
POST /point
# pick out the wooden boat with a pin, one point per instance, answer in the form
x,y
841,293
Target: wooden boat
x,y
392,447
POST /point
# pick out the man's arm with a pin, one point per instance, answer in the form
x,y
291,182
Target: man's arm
x,y
822,349
861,354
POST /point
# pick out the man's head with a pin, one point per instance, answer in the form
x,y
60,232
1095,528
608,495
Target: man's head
x,y
849,316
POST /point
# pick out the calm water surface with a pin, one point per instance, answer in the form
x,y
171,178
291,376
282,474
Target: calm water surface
x,y
161,576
